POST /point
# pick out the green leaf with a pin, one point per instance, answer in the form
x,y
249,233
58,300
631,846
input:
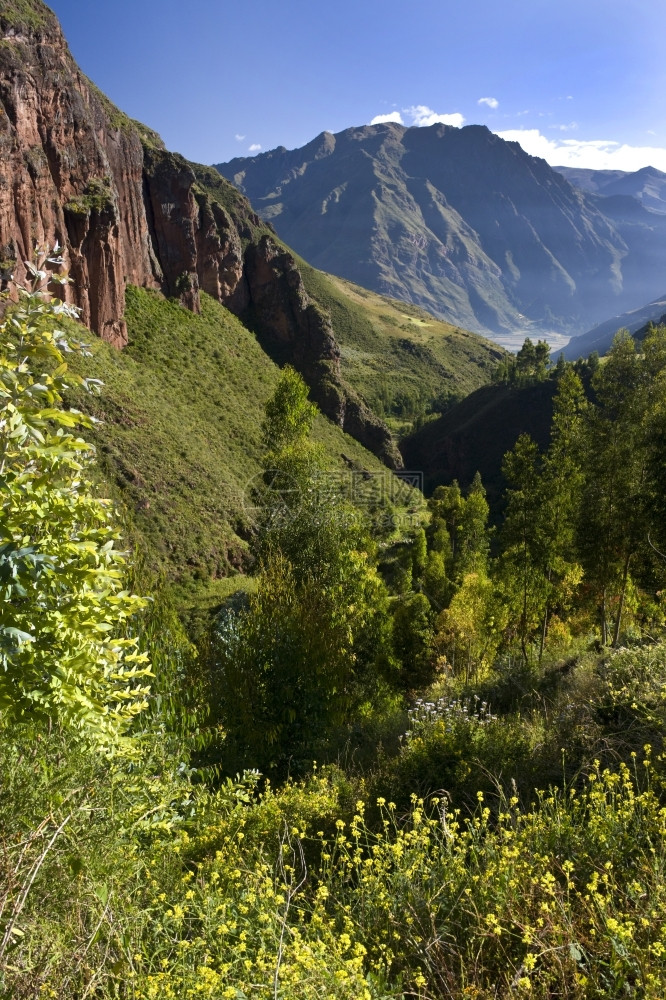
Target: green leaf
x,y
75,865
575,953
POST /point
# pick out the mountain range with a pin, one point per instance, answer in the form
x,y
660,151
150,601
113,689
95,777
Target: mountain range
x,y
647,185
197,303
600,337
462,223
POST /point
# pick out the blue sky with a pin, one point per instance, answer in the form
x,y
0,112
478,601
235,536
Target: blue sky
x,y
580,82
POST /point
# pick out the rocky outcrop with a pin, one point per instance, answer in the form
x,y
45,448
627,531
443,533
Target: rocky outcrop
x,y
292,328
74,169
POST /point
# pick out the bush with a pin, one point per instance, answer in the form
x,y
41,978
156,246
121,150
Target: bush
x,y
61,574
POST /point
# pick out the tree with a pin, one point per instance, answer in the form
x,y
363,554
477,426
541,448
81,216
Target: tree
x,y
413,634
562,481
459,528
470,629
419,555
524,540
436,585
473,542
289,413
61,574
315,638
614,522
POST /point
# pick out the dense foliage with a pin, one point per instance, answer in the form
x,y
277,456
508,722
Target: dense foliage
x,y
487,815
63,603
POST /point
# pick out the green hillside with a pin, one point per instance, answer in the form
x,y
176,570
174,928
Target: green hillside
x,y
180,438
398,357
181,409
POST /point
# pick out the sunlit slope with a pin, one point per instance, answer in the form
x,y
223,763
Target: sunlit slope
x,y
180,438
394,352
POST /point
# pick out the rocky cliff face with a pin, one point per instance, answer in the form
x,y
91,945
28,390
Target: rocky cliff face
x,y
76,170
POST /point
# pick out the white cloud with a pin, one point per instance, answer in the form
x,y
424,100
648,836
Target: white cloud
x,y
419,114
254,148
393,116
594,154
239,138
492,102
571,127
422,115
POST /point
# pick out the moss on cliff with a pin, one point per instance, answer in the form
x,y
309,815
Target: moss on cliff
x,y
95,197
212,185
32,15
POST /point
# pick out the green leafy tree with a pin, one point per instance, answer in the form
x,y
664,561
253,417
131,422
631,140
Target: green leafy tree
x,y
459,528
436,585
561,486
419,555
469,631
524,541
473,542
413,635
616,508
315,639
289,413
63,605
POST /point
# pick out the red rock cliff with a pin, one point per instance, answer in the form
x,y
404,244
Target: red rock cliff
x,y
75,169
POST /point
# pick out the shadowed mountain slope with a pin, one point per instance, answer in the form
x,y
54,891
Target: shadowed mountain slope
x,y
475,435
458,221
600,338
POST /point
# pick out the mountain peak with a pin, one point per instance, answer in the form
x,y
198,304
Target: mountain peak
x,y
650,172
459,221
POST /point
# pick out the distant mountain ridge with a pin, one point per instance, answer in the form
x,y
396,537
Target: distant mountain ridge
x,y
647,185
459,222
600,337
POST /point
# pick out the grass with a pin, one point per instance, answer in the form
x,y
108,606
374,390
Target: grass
x,y
180,438
32,14
132,880
398,357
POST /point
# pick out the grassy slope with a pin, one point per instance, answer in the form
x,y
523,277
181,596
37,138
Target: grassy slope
x,y
391,348
182,407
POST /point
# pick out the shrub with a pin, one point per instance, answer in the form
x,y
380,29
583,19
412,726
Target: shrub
x,y
61,574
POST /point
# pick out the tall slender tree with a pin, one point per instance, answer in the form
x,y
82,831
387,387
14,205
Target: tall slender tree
x,y
524,539
615,462
561,486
